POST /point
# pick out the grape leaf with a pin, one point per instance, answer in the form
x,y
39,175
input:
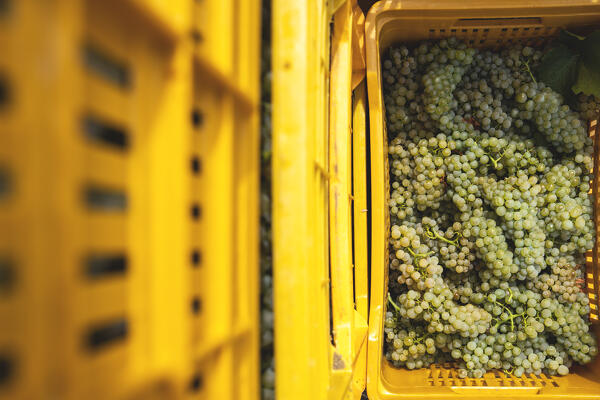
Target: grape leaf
x,y
570,39
558,69
588,81
590,48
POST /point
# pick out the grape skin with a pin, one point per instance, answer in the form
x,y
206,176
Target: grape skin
x,y
490,213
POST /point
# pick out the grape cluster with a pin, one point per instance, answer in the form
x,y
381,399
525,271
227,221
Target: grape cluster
x,y
588,107
411,348
417,173
567,206
543,107
437,307
515,202
490,213
456,253
412,259
564,280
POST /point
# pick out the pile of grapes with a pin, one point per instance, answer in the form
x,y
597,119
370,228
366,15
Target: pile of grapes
x,y
267,361
490,213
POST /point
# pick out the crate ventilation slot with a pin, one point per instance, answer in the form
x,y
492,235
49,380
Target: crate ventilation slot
x,y
196,165
197,118
6,369
102,199
196,211
196,383
447,375
106,133
4,184
7,276
4,89
105,66
196,258
483,33
99,266
103,335
196,305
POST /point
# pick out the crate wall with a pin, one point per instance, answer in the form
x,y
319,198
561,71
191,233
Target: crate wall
x,y
319,197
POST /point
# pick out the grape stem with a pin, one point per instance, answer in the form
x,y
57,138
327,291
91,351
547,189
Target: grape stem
x,y
419,340
419,255
432,234
421,270
495,160
511,316
528,69
392,303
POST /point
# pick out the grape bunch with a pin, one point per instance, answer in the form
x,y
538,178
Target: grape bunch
x,y
490,212
417,173
588,106
563,280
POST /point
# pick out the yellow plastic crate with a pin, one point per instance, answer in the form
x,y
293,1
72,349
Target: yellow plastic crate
x,y
225,144
319,200
128,203
491,24
21,307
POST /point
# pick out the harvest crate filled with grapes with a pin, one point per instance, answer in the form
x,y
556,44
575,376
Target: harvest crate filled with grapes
x,y
482,125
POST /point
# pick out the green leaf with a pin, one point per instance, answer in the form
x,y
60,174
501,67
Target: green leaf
x,y
590,48
558,69
588,81
569,39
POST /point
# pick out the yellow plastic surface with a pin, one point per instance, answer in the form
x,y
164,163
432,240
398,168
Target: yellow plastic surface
x,y
225,336
361,255
491,24
320,286
130,222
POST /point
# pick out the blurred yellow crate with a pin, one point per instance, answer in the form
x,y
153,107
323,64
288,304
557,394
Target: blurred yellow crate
x,y
481,24
128,202
319,200
225,147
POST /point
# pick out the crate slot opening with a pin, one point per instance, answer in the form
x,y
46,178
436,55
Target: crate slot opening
x,y
103,335
98,61
102,266
104,199
7,275
109,134
5,184
6,369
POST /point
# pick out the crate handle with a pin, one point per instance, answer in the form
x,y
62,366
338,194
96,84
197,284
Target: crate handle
x,y
498,22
